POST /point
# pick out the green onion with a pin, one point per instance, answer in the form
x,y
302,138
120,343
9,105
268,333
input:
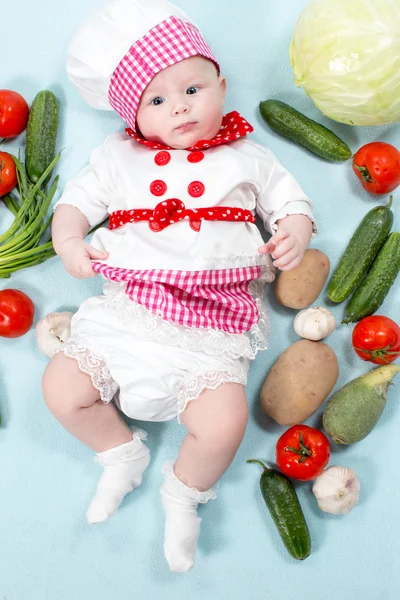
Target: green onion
x,y
22,245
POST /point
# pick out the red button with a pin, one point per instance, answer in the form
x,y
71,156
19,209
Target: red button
x,y
196,189
162,158
195,157
158,187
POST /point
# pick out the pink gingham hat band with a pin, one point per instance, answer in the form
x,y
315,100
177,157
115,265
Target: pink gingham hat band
x,y
167,43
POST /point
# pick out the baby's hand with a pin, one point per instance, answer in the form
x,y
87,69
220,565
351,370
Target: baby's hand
x,y
76,256
288,244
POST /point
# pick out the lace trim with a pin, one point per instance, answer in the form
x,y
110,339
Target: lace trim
x,y
183,490
193,386
124,453
94,366
214,342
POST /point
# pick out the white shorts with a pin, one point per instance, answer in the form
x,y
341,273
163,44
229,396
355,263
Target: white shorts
x,y
149,380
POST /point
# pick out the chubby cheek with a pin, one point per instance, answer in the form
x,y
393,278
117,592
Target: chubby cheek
x,y
150,129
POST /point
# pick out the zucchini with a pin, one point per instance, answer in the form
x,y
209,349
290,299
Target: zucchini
x,y
284,506
360,252
41,134
291,123
378,281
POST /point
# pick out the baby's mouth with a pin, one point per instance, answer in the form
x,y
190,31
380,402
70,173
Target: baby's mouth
x,y
186,126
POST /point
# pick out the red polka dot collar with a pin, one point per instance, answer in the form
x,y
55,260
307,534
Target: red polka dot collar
x,y
233,127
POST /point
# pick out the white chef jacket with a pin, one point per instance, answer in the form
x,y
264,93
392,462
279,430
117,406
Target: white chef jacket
x,y
237,174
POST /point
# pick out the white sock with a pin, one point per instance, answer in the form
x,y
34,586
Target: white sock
x,y
123,470
182,525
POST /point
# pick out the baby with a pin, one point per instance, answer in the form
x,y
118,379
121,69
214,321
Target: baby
x,y
182,311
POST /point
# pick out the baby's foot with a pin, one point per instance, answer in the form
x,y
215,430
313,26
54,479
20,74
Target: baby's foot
x,y
182,529
182,525
123,470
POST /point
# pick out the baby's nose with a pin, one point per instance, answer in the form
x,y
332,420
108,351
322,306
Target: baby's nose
x,y
180,109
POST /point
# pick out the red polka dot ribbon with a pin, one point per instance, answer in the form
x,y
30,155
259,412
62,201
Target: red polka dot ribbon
x,y
173,210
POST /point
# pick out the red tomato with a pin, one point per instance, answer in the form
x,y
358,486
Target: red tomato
x,y
16,313
14,113
302,452
377,165
377,339
8,173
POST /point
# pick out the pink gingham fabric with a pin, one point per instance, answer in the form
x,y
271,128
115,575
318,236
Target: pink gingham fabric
x,y
167,43
217,299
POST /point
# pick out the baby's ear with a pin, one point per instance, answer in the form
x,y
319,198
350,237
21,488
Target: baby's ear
x,y
222,86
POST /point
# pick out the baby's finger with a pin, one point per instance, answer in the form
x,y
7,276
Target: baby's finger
x,y
284,247
279,236
273,242
292,265
85,269
267,248
286,258
95,253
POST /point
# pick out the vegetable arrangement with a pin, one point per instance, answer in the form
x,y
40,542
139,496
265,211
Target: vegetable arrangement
x,y
305,373
25,243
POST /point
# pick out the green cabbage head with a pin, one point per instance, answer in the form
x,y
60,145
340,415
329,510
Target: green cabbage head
x,y
346,56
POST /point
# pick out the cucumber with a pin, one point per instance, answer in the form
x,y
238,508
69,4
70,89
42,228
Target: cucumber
x,y
372,291
41,134
284,506
360,252
354,410
304,131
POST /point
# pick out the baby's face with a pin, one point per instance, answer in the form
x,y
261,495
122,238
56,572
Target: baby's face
x,y
183,104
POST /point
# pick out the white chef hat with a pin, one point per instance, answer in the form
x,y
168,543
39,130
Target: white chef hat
x,y
122,44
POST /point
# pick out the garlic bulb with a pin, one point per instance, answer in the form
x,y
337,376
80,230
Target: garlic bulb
x,y
53,331
314,323
337,490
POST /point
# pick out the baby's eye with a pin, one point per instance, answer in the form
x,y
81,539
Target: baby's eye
x,y
156,101
191,90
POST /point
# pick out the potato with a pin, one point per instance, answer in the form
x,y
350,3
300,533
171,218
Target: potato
x,y
299,381
301,286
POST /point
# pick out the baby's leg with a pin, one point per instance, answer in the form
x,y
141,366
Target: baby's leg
x,y
75,402
216,423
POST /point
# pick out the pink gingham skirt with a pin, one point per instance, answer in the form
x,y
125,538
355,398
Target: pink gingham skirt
x,y
217,299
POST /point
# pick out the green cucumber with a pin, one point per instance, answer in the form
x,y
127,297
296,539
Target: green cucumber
x,y
291,123
354,410
41,134
360,252
374,288
284,506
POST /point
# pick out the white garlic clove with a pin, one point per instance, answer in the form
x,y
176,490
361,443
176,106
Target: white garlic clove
x,y
314,323
337,490
53,331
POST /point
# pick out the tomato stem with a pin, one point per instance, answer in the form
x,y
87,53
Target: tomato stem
x,y
364,172
304,451
379,352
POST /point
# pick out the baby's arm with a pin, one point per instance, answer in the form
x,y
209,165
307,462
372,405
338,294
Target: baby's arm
x,y
83,205
288,244
69,228
286,212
